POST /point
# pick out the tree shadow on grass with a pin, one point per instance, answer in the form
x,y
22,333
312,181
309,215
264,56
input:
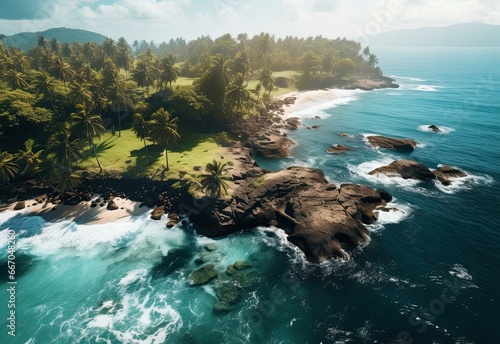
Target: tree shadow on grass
x,y
142,164
100,148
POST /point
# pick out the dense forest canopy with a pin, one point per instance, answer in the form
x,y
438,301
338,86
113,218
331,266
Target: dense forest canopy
x,y
57,98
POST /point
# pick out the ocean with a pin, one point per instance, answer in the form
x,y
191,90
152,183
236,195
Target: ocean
x,y
428,275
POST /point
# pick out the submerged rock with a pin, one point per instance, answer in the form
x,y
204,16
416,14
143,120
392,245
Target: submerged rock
x,y
392,143
175,259
445,174
406,169
203,275
434,128
337,149
210,247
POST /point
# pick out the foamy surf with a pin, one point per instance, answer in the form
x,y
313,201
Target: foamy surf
x,y
444,130
421,88
392,213
463,183
365,168
313,103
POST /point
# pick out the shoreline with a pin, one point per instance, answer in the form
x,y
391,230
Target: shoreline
x,y
308,99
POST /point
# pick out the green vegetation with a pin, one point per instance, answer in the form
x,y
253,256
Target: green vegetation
x,y
161,111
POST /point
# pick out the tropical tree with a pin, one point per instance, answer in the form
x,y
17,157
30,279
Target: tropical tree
x,y
45,85
143,75
214,183
124,59
241,63
16,80
168,71
80,93
63,148
118,101
89,126
237,93
141,130
31,160
266,81
66,179
372,60
43,43
56,46
8,168
163,130
109,47
61,70
19,61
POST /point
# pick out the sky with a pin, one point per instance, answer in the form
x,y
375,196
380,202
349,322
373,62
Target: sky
x,y
161,20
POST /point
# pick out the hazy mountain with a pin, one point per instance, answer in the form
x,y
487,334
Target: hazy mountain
x,y
460,35
27,40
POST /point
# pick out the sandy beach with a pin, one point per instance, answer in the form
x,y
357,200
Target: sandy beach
x,y
81,213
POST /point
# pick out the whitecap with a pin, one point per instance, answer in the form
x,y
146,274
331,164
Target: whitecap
x,y
406,78
133,276
459,271
463,183
392,213
444,130
421,88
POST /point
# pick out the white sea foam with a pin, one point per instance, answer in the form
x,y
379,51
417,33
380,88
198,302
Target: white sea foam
x,y
463,183
366,167
444,130
406,78
313,103
134,276
393,212
421,88
459,271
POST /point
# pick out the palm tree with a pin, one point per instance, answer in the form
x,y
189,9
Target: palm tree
x,y
168,71
31,160
45,85
118,101
8,168
163,130
56,47
89,125
372,60
124,59
266,81
61,70
141,130
214,182
79,93
109,47
64,148
16,80
43,43
67,179
135,44
143,75
237,93
219,72
366,53
241,63
19,61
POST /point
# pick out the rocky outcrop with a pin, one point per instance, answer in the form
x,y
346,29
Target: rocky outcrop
x,y
407,169
203,275
337,149
434,128
446,174
323,220
20,205
111,205
292,123
157,213
271,144
392,143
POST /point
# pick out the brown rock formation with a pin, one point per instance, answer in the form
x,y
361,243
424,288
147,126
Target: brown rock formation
x,y
392,143
445,173
319,218
407,169
337,149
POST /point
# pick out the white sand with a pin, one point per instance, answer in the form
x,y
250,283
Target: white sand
x,y
81,213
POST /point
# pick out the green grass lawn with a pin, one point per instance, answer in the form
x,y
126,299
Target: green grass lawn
x,y
126,154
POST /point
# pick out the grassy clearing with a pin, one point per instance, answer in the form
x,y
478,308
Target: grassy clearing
x,y
126,154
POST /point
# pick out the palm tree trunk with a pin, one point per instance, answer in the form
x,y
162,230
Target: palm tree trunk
x,y
95,154
147,151
166,157
119,124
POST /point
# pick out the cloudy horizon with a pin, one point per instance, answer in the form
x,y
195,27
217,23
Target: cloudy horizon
x,y
161,20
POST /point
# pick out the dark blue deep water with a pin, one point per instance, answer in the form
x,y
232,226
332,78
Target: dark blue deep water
x,y
429,275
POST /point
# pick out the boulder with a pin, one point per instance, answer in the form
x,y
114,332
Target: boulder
x,y
20,205
406,169
111,205
171,223
292,123
337,149
157,213
445,174
210,247
203,275
392,143
319,218
434,128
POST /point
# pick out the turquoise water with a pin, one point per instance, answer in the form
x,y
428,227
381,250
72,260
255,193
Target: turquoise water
x,y
429,274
